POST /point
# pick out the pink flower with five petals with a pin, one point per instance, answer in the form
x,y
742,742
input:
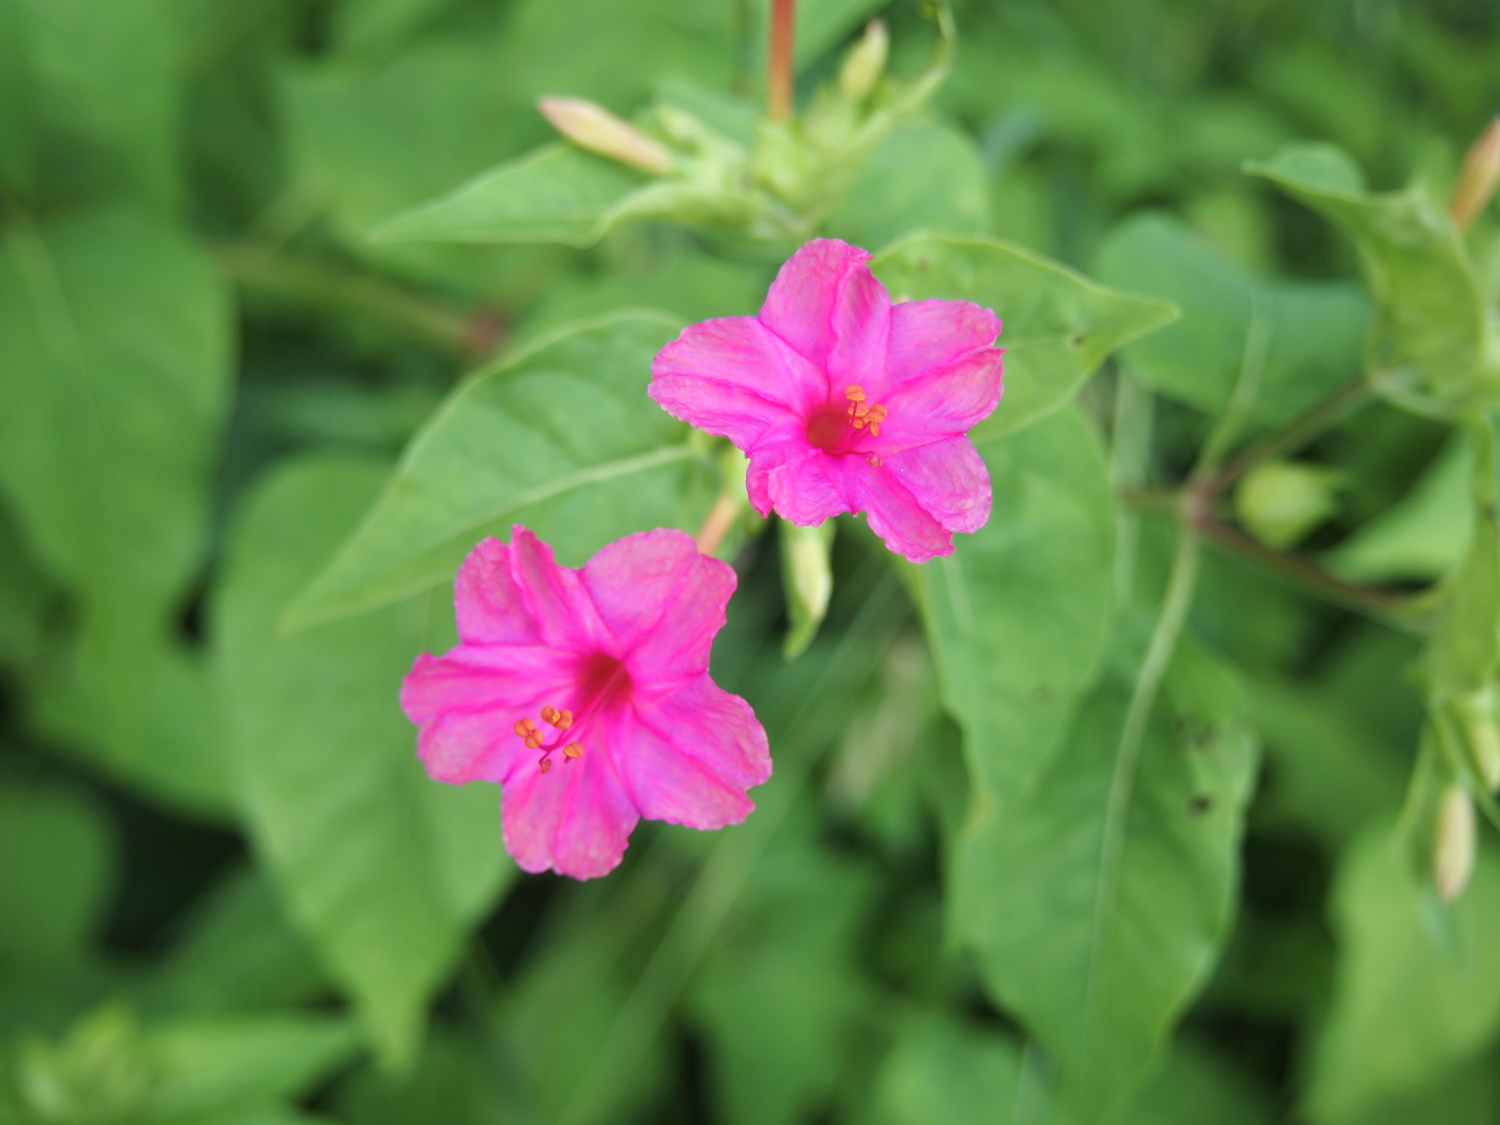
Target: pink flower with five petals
x,y
846,403
586,695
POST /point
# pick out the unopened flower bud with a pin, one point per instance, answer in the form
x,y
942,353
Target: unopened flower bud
x,y
864,65
807,579
1279,502
1479,177
593,127
1453,844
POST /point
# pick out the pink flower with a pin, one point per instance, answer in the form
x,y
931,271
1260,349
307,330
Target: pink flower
x,y
846,403
586,695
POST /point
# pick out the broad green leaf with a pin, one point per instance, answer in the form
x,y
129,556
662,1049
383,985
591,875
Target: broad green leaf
x,y
556,194
1193,1086
204,1066
17,112
55,869
381,868
1313,332
113,75
114,363
941,1071
240,953
1429,348
1463,654
924,177
1119,877
780,1005
371,28
1408,1007
365,146
1058,325
560,437
1017,618
1424,535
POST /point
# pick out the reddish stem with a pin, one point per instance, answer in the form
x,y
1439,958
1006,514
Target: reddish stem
x,y
779,60
720,519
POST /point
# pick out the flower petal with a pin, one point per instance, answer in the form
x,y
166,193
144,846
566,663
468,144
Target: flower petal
x,y
554,595
934,333
466,704
895,513
576,818
805,297
943,402
714,727
949,480
668,781
487,600
798,481
735,378
662,602
861,329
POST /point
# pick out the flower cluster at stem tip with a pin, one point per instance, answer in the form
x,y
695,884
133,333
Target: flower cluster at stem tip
x,y
843,402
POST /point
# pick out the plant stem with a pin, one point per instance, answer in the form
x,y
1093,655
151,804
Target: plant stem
x,y
1295,434
720,519
779,69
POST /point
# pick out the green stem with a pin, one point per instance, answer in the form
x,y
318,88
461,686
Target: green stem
x,y
468,336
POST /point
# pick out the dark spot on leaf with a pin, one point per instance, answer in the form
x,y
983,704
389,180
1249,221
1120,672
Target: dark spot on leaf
x,y
1200,804
1077,336
1042,693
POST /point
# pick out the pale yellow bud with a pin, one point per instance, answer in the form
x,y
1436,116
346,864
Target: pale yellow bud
x,y
593,127
1453,844
865,63
1479,177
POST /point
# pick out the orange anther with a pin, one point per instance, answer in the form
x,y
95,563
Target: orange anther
x,y
573,750
534,740
874,429
545,764
549,715
524,727
854,393
564,719
878,413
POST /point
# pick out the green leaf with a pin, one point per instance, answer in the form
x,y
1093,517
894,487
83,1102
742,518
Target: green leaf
x,y
240,953
1424,535
1314,332
560,437
371,28
113,76
55,871
114,364
1058,325
17,114
780,1005
210,1066
1407,1007
1429,348
1463,654
1115,901
1193,1086
556,194
943,1072
924,177
382,869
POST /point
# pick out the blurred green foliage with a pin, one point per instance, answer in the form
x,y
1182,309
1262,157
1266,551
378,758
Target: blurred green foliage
x,y
1122,814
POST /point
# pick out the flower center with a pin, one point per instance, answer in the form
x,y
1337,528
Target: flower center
x,y
602,681
833,430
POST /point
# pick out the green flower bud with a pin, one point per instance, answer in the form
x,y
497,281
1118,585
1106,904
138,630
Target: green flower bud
x,y
865,63
1453,844
807,579
592,127
1482,733
1279,502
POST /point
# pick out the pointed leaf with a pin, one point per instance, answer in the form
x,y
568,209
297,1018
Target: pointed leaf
x,y
1059,326
560,437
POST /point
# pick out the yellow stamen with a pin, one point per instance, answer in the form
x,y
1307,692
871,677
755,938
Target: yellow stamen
x,y
534,740
573,750
854,393
564,719
524,727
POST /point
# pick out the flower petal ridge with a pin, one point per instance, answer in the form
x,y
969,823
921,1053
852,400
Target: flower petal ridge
x,y
586,694
846,402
